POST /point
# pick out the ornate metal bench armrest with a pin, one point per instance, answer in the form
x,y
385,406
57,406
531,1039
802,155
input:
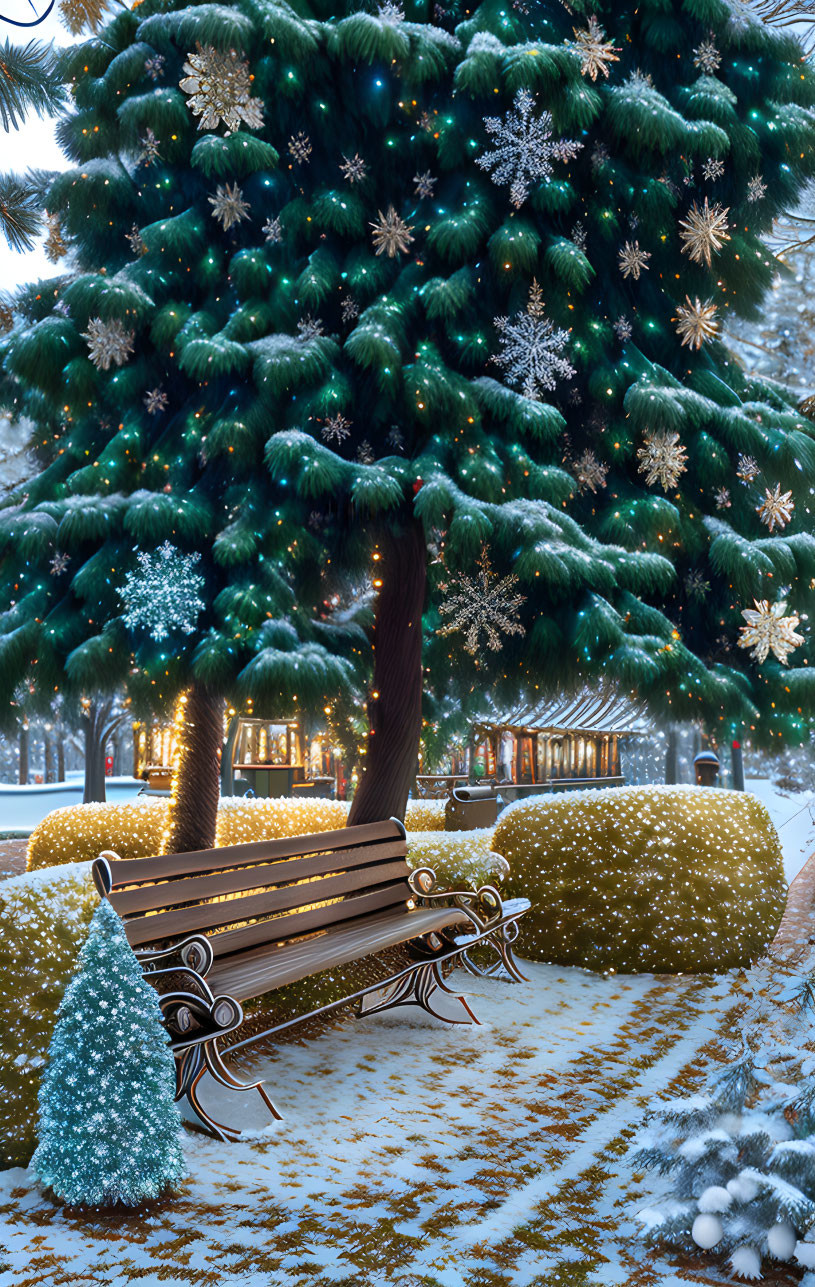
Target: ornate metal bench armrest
x,y
194,953
483,906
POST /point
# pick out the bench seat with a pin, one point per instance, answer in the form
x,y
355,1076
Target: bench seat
x,y
265,968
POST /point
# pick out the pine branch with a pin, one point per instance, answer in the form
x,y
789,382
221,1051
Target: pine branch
x,y
28,80
20,208
83,15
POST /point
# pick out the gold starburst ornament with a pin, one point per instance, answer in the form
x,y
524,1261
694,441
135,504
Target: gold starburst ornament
x,y
704,231
776,508
695,322
596,53
662,459
391,235
590,472
769,631
632,260
228,205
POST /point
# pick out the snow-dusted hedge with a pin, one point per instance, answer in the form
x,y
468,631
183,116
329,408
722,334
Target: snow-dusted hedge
x,y
80,832
459,858
44,918
663,878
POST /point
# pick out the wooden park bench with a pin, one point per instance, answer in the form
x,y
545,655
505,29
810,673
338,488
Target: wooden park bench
x,y
220,927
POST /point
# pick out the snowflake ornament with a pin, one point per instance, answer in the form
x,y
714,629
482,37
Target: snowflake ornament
x,y
228,205
354,169
590,472
748,469
696,587
704,231
149,153
395,438
596,53
365,453
706,57
756,188
59,563
632,260
300,148
156,401
391,235
424,185
272,231
54,245
695,322
109,344
309,328
578,235
390,12
768,630
163,595
623,328
662,459
524,150
776,508
600,156
531,349
218,88
154,66
713,168
722,498
349,309
640,81
336,429
136,241
7,317
484,604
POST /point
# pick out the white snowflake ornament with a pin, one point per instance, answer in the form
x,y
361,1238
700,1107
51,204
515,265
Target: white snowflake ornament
x,y
662,459
163,595
531,348
524,149
218,88
596,53
484,604
109,344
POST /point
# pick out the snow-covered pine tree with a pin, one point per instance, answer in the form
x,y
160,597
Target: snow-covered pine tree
x,y
741,1159
109,1130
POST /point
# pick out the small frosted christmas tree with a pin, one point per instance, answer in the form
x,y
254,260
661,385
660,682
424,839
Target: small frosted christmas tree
x,y
741,1159
109,1130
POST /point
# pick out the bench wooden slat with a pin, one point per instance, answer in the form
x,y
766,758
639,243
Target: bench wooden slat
x,y
366,859
229,942
287,898
137,871
252,974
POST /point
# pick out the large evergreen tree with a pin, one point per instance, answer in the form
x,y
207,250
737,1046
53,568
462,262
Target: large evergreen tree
x,y
430,297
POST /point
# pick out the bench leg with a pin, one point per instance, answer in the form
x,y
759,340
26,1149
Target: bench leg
x,y
424,987
191,1066
505,967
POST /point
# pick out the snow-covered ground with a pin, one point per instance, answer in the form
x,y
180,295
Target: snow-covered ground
x,y
793,813
418,1154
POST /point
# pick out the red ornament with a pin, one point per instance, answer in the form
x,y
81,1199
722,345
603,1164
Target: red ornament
x,y
418,485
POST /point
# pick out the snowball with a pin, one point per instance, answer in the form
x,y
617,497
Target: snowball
x,y
805,1254
742,1188
715,1198
746,1262
781,1240
707,1231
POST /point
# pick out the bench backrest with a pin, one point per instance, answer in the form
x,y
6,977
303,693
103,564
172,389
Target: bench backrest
x,y
283,888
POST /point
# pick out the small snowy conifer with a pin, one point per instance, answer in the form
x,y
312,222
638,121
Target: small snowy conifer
x,y
109,1130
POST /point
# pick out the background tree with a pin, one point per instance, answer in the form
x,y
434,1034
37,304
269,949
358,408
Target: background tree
x,y
428,297
109,1130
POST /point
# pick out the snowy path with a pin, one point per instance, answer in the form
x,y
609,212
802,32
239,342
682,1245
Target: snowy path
x,y
414,1153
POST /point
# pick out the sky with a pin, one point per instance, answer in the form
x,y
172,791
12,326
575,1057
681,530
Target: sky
x,y
32,145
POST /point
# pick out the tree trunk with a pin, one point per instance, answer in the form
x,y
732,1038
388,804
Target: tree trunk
x,y
672,757
197,777
60,756
47,756
94,726
23,743
395,706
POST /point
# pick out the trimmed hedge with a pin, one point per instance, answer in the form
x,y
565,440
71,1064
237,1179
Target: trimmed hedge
x,y
662,878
